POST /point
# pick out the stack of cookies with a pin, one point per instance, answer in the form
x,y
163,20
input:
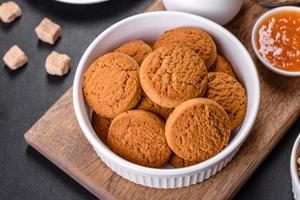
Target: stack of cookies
x,y
177,101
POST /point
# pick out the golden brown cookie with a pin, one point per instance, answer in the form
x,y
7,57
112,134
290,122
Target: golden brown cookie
x,y
195,38
222,65
172,74
148,105
230,94
197,129
178,162
111,84
139,136
137,49
101,126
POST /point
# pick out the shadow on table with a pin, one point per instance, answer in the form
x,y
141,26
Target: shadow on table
x,y
58,174
56,80
12,74
7,26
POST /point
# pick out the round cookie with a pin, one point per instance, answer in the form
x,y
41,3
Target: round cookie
x,y
111,84
139,136
178,162
148,105
137,49
222,65
195,38
197,129
101,126
230,94
172,74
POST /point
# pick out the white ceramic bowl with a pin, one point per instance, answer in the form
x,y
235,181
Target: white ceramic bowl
x,y
220,11
294,167
253,39
148,27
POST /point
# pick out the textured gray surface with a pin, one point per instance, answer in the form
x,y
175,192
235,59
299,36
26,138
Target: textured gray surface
x,y
27,93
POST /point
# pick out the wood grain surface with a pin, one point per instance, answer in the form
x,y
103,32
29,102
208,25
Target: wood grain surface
x,y
58,137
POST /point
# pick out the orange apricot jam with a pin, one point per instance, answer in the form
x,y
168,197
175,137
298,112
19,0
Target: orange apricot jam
x,y
278,40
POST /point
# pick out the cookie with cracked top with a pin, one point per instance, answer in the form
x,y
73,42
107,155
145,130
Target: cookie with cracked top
x,y
101,126
139,136
195,38
137,49
111,84
222,65
148,105
172,74
197,129
230,94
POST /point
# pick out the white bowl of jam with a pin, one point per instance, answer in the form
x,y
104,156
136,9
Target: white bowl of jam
x,y
276,40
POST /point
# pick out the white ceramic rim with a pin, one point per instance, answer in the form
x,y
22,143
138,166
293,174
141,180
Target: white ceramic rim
x,y
81,1
253,39
239,138
293,165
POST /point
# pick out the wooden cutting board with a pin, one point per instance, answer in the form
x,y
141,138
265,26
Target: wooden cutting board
x,y
58,137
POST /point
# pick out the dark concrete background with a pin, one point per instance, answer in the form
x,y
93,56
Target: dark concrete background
x,y
27,93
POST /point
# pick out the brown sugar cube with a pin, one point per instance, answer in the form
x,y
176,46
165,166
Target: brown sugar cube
x,y
9,11
15,58
48,31
57,64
